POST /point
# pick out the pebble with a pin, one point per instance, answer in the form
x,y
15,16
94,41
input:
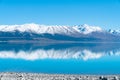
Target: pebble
x,y
40,76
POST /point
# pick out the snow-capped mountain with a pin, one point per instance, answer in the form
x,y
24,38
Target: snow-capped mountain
x,y
59,33
42,29
86,29
116,32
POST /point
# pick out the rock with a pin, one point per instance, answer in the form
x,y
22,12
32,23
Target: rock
x,y
36,76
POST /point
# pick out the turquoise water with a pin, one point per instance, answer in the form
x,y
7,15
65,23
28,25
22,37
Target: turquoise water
x,y
89,58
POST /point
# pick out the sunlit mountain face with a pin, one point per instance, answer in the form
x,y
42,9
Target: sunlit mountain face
x,y
42,33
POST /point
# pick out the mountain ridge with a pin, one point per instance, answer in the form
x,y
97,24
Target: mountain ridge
x,y
36,32
40,29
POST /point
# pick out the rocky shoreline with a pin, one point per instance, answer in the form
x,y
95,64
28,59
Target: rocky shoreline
x,y
40,76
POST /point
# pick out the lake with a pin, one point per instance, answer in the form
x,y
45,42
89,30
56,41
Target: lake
x,y
79,58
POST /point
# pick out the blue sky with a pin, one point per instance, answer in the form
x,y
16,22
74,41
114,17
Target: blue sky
x,y
104,13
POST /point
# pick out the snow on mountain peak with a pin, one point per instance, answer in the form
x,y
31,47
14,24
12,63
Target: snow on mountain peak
x,y
114,31
41,29
86,29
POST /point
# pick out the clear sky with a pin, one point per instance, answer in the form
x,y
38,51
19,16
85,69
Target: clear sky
x,y
104,13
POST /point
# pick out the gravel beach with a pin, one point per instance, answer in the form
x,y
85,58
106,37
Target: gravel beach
x,y
36,76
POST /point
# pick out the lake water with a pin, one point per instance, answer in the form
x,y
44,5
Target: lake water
x,y
80,58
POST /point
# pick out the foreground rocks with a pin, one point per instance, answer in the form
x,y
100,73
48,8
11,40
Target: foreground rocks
x,y
35,76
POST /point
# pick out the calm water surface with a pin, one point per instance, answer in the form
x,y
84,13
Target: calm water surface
x,y
89,58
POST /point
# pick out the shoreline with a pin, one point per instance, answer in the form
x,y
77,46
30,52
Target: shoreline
x,y
42,76
56,41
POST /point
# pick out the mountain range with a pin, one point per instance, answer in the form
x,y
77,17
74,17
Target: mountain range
x,y
42,33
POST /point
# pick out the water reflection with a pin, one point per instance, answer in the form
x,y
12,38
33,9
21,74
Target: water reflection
x,y
58,51
89,58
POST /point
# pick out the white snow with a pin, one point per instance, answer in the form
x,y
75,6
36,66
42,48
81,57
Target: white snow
x,y
55,29
86,29
114,31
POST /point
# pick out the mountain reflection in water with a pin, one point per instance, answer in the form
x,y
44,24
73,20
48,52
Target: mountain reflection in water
x,y
58,51
102,58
